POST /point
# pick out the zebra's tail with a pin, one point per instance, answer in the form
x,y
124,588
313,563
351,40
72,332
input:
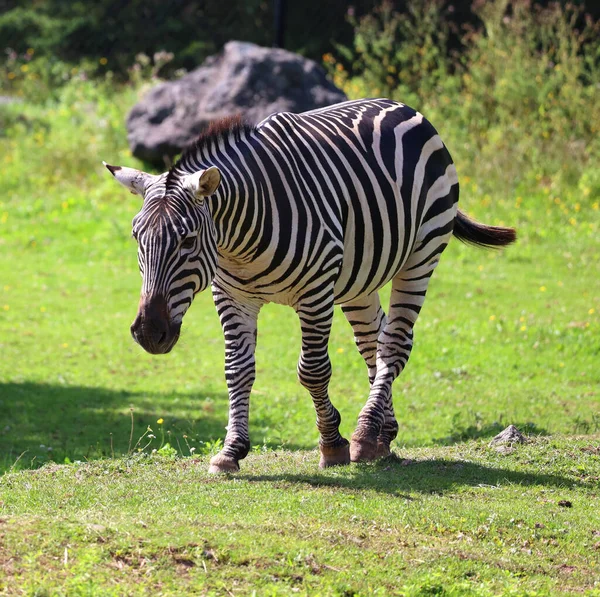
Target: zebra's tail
x,y
472,232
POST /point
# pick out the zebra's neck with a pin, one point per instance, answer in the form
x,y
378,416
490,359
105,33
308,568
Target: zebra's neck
x,y
242,204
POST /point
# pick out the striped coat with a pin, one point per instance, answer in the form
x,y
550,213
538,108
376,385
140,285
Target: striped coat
x,y
307,210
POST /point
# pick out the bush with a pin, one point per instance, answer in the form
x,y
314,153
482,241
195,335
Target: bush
x,y
392,51
190,29
517,104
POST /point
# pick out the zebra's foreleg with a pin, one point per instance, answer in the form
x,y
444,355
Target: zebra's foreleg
x,y
239,328
368,320
314,373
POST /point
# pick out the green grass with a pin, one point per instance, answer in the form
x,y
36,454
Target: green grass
x,y
504,337
461,520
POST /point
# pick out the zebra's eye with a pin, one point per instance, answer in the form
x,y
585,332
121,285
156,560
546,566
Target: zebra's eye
x,y
188,243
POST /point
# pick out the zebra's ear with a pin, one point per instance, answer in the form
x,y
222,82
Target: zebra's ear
x,y
135,180
203,183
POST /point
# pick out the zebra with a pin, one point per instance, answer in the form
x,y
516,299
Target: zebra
x,y
308,210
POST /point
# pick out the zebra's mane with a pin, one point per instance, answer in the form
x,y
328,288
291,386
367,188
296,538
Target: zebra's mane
x,y
230,127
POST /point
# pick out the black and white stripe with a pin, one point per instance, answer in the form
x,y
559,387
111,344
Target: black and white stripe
x,y
312,210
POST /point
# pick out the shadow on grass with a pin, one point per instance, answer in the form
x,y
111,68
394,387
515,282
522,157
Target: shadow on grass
x,y
432,476
42,422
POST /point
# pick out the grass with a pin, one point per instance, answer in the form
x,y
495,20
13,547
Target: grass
x,y
460,520
88,508
503,338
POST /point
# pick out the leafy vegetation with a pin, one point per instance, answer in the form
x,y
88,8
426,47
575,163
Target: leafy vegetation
x,y
109,35
509,105
123,504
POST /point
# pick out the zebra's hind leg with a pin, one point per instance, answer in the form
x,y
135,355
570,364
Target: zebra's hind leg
x,y
314,373
371,437
239,328
367,319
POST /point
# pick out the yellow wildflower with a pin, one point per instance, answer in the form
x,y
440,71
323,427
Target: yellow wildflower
x,y
160,421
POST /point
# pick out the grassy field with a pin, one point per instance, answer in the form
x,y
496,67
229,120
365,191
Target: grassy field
x,y
504,337
460,520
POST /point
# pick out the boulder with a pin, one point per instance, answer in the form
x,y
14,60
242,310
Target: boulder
x,y
243,79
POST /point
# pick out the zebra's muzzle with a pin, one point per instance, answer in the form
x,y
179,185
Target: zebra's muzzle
x,y
152,329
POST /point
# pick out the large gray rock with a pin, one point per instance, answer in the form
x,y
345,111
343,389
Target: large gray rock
x,y
243,79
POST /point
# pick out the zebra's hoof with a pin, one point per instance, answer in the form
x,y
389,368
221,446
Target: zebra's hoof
x,y
334,455
383,449
223,464
363,450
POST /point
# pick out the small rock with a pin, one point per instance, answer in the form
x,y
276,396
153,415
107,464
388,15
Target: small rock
x,y
511,435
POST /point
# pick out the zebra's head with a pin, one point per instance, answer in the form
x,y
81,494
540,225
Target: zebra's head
x,y
177,249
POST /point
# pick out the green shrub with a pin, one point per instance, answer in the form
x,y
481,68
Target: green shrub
x,y
517,106
392,50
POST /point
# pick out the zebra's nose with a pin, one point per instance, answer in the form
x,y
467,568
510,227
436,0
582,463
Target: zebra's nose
x,y
152,328
150,334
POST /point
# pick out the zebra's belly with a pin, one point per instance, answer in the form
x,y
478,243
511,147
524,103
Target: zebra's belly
x,y
286,282
355,261
350,275
350,286
357,291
